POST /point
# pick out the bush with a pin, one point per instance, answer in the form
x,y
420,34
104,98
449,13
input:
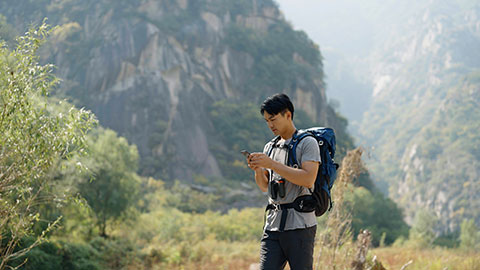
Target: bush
x,y
380,215
469,235
35,133
422,234
58,255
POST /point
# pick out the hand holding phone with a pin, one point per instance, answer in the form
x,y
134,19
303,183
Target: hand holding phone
x,y
247,156
245,153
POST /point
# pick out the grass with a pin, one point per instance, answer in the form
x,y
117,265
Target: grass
x,y
240,255
427,259
210,254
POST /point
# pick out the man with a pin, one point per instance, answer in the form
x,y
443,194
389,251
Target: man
x,y
289,235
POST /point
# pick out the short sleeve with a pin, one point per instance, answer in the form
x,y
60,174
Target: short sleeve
x,y
310,151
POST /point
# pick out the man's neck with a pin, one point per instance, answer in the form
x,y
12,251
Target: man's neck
x,y
289,133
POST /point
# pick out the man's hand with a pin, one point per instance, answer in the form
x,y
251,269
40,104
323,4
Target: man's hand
x,y
250,165
259,160
303,176
255,162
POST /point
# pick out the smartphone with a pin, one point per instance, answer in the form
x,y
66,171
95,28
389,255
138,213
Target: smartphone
x,y
245,153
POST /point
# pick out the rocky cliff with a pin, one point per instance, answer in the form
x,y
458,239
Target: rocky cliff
x,y
151,69
425,110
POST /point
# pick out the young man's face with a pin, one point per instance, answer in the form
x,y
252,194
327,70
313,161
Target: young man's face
x,y
278,123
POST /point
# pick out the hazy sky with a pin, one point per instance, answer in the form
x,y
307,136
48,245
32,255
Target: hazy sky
x,y
304,15
339,24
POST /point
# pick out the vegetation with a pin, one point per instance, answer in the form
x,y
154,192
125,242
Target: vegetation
x,y
469,235
34,135
278,64
423,123
381,216
433,259
234,124
115,185
58,255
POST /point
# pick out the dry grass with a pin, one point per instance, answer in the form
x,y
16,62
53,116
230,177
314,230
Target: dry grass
x,y
335,248
394,258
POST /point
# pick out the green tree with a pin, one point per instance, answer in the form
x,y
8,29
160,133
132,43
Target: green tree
x,y
380,215
422,233
34,134
114,187
469,235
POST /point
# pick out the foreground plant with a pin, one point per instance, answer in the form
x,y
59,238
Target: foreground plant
x,y
34,135
336,244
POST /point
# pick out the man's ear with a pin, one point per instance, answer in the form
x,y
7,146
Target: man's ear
x,y
288,115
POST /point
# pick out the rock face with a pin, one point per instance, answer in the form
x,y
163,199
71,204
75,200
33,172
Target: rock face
x,y
425,101
149,70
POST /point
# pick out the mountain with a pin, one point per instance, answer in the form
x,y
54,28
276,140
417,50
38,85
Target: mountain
x,y
424,113
181,79
396,67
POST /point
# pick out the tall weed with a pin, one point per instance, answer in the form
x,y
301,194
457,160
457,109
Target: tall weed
x,y
334,241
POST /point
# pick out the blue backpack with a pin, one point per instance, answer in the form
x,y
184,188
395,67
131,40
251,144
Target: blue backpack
x,y
327,172
320,200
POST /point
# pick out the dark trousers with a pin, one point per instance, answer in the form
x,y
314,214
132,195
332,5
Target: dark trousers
x,y
295,246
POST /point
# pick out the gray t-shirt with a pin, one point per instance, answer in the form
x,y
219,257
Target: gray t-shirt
x,y
307,150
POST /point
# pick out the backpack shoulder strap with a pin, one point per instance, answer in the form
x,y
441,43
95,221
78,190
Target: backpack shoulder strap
x,y
292,147
272,143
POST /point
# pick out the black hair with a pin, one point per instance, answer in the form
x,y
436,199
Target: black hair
x,y
278,103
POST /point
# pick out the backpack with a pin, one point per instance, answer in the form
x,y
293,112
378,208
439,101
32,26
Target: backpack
x,y
320,200
327,172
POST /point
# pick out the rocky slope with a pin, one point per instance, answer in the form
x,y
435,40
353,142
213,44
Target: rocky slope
x,y
150,69
424,111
